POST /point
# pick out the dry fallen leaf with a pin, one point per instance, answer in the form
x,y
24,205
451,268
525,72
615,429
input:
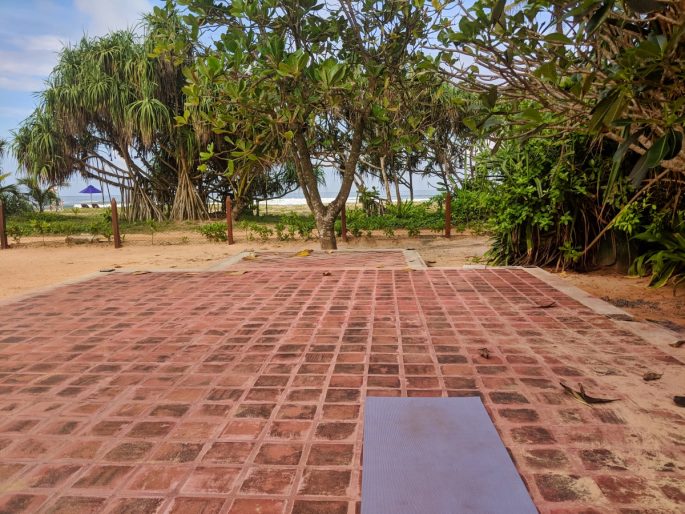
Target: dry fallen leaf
x,y
545,305
679,401
236,272
326,273
582,397
484,352
330,252
140,272
678,344
250,257
107,270
304,253
651,375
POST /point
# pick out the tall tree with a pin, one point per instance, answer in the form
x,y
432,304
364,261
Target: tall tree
x,y
601,67
301,81
106,98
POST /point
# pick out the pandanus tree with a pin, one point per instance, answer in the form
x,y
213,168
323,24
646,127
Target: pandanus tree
x,y
301,81
107,113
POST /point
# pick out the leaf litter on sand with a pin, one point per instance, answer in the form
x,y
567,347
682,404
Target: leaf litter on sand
x,y
250,257
651,375
583,397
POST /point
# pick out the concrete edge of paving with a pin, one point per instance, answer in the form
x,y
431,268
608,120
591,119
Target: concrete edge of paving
x,y
226,263
650,332
47,289
414,259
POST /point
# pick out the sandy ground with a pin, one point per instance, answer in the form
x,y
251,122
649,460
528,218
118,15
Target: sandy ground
x,y
34,265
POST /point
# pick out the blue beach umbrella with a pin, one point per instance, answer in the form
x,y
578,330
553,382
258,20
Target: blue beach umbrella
x,y
90,190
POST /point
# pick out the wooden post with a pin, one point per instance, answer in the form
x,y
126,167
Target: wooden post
x,y
229,220
3,228
343,224
115,223
448,214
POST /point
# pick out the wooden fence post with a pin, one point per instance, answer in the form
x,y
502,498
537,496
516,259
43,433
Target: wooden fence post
x,y
448,214
343,224
229,220
115,224
3,228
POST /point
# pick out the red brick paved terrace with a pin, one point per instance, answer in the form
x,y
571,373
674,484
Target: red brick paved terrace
x,y
219,392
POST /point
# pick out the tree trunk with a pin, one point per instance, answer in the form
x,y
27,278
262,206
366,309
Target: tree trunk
x,y
386,183
326,230
325,215
411,186
397,191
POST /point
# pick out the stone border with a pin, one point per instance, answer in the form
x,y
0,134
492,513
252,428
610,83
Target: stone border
x,y
47,289
227,263
652,333
414,259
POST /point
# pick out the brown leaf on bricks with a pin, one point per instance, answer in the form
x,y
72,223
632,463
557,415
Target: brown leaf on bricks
x,y
583,397
651,375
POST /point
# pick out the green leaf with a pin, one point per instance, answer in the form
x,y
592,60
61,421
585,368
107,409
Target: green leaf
x,y
599,16
489,98
645,6
547,71
531,114
471,124
558,37
664,148
497,11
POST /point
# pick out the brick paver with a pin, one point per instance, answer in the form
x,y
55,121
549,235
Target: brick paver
x,y
224,392
324,260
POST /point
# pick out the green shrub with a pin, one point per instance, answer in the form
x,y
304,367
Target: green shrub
x,y
16,232
283,233
214,231
262,231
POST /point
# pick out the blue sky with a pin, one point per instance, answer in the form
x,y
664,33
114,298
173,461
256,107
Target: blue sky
x,y
32,32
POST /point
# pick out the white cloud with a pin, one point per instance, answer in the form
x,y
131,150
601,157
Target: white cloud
x,y
21,83
15,112
34,63
107,15
40,42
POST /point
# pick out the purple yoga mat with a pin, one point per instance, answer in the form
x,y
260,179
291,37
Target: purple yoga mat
x,y
437,456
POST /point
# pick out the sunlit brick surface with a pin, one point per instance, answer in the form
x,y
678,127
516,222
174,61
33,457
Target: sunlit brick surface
x,y
323,260
220,392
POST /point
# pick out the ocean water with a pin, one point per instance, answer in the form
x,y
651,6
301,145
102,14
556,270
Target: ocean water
x,y
294,199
